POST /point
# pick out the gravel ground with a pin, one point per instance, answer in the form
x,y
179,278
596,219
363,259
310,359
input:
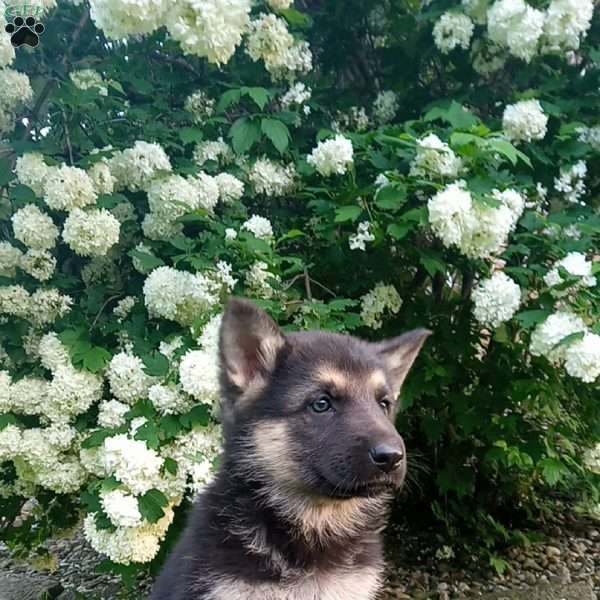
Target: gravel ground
x,y
569,553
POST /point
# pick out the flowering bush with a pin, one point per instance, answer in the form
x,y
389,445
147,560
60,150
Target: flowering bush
x,y
354,166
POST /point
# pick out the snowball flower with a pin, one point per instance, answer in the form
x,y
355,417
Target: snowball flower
x,y
126,377
111,413
215,150
88,79
577,265
272,179
496,300
434,158
10,258
333,156
40,264
525,121
91,233
278,5
385,106
374,304
209,28
230,187
172,197
103,180
68,188
31,170
571,182
567,23
15,90
136,167
582,358
169,400
199,375
200,105
453,30
363,234
7,52
549,333
179,295
131,462
34,228
121,18
121,508
451,213
259,227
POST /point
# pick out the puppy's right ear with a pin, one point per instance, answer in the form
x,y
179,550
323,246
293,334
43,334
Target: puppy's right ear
x,y
249,343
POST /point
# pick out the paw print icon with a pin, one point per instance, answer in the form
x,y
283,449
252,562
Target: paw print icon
x,y
24,31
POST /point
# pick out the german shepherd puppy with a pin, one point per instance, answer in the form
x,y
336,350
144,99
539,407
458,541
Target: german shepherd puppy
x,y
310,462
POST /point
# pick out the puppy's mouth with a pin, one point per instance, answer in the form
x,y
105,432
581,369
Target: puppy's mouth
x,y
343,491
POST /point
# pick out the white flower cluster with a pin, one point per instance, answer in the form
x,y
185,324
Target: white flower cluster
x,y
270,41
524,121
91,233
259,227
477,229
230,187
134,168
215,150
385,106
453,30
581,357
15,93
375,304
31,170
526,31
496,300
67,188
88,79
258,279
592,459
34,228
333,156
7,51
127,379
591,136
361,237
121,18
179,295
576,265
200,105
571,182
297,95
435,158
209,28
42,307
272,179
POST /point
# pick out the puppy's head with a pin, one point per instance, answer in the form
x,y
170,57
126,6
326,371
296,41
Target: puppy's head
x,y
313,412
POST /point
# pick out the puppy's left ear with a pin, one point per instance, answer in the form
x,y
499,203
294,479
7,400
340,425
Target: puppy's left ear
x,y
399,354
249,343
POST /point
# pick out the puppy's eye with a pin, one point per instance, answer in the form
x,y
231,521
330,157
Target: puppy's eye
x,y
321,405
385,404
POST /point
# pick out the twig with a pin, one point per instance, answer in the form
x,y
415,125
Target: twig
x,y
106,303
323,287
67,137
307,285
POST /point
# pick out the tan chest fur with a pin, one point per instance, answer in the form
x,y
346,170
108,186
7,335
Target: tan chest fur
x,y
336,585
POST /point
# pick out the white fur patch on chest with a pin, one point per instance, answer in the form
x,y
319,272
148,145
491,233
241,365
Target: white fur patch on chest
x,y
361,584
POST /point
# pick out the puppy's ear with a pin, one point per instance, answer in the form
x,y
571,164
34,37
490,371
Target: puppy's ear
x,y
399,354
249,343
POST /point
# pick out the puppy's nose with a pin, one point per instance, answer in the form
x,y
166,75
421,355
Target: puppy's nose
x,y
387,457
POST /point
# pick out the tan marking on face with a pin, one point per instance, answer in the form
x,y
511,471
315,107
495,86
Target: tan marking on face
x,y
330,375
377,379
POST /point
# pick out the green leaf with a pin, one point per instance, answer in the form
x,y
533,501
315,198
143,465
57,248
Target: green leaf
x,y
21,193
171,465
96,358
347,213
229,98
499,565
295,17
259,94
244,133
391,197
148,433
455,114
97,438
156,364
189,135
148,261
277,132
553,470
199,415
151,505
568,339
399,230
529,318
433,265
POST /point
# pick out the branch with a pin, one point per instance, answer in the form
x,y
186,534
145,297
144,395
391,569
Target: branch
x,y
67,137
49,85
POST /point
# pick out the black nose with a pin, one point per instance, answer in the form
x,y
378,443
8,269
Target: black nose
x,y
386,457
